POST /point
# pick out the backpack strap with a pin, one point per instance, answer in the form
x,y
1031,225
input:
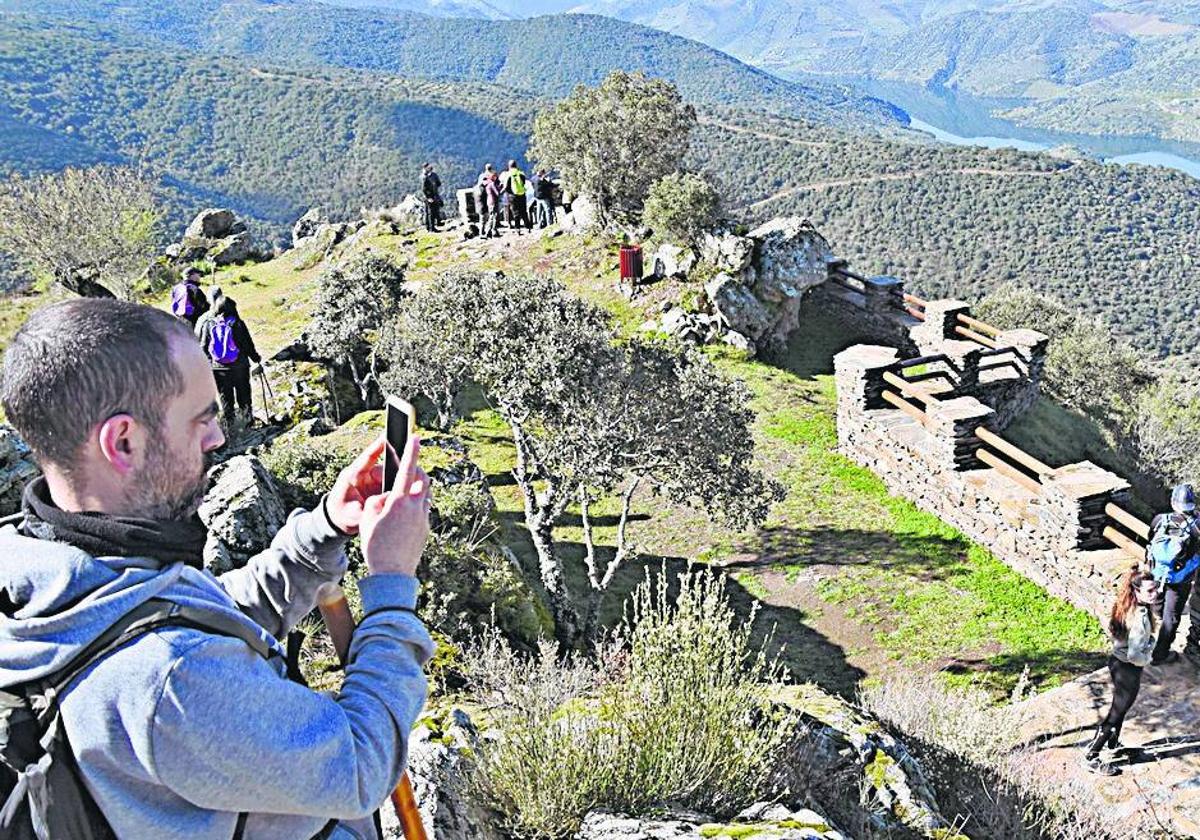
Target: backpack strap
x,y
146,617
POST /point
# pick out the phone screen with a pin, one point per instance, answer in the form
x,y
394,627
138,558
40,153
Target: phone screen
x,y
400,421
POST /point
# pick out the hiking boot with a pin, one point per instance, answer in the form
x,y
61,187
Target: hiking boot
x,y
1098,767
1170,659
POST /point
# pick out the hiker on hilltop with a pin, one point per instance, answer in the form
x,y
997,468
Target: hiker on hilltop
x,y
544,193
186,725
1173,556
513,183
1133,627
431,189
187,301
487,200
226,341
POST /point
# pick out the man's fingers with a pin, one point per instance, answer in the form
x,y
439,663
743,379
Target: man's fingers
x,y
408,467
369,455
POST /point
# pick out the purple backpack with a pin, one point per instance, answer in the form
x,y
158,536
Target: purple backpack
x,y
181,300
222,349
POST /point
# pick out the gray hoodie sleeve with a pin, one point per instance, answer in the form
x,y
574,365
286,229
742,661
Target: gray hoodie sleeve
x,y
278,587
230,734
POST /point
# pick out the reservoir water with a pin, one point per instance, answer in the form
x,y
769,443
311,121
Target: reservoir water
x,y
966,120
1149,158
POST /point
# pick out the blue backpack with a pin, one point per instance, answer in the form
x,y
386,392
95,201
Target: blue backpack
x,y
181,300
222,348
1171,553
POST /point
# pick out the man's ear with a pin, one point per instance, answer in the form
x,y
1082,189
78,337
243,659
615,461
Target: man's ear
x,y
121,439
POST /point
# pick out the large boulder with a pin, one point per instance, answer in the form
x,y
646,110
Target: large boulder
x,y
307,225
439,766
16,469
243,511
410,212
727,251
737,307
841,750
236,248
790,258
211,223
673,261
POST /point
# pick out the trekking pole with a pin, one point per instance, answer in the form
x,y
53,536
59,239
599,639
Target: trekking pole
x,y
268,392
331,601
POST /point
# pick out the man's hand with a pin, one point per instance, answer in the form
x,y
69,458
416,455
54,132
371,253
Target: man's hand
x,y
395,525
355,484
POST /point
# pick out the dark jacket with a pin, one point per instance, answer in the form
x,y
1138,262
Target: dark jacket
x,y
545,189
431,185
241,336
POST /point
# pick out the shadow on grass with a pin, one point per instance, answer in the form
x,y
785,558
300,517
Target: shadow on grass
x,y
807,654
924,556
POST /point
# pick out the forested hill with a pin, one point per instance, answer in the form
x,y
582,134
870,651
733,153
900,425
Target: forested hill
x,y
548,56
267,142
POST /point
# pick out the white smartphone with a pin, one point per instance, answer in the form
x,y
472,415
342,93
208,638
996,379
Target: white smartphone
x,y
401,424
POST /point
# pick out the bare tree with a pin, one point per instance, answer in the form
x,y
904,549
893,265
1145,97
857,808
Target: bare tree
x,y
93,231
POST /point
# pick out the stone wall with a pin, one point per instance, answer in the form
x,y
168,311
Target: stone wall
x,y
1006,377
1050,533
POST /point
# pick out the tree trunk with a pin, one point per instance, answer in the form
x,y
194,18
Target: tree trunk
x,y
539,521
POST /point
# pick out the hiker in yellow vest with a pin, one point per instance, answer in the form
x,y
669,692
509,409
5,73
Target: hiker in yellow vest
x,y
514,185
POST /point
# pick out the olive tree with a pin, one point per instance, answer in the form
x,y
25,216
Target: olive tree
x,y
354,301
613,141
682,206
1087,367
93,231
589,417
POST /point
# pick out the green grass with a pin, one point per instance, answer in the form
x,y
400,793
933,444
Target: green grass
x,y
926,594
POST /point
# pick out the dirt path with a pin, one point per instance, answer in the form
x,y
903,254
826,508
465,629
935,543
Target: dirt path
x,y
1159,785
896,176
766,135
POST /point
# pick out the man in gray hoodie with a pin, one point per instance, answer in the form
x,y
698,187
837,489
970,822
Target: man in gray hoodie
x,y
182,733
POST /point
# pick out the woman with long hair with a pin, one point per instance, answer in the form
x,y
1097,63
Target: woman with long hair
x,y
1134,631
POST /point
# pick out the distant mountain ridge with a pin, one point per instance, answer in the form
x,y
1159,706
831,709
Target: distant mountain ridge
x,y
548,56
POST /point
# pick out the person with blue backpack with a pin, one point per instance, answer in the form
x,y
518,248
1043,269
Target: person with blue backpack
x,y
187,300
1172,556
230,349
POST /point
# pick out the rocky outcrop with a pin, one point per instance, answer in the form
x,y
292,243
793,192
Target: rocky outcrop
x,y
439,765
16,469
759,284
842,750
762,821
243,510
307,225
215,235
673,261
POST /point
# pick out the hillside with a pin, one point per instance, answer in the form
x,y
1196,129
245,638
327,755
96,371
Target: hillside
x,y
547,55
267,142
270,142
960,221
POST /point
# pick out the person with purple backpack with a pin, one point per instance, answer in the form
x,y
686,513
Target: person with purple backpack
x,y
187,300
230,349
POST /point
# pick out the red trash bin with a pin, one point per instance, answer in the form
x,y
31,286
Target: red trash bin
x,y
631,263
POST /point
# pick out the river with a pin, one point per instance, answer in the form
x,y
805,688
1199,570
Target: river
x,y
966,120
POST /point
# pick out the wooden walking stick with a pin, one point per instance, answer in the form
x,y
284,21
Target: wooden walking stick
x,y
331,601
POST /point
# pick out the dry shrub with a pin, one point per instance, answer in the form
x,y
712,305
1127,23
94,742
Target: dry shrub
x,y
676,708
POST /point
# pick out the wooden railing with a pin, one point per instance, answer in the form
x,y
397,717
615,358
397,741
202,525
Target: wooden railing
x,y
1132,525
977,331
1122,528
914,306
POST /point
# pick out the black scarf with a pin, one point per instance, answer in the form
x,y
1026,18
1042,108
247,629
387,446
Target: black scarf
x,y
101,535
